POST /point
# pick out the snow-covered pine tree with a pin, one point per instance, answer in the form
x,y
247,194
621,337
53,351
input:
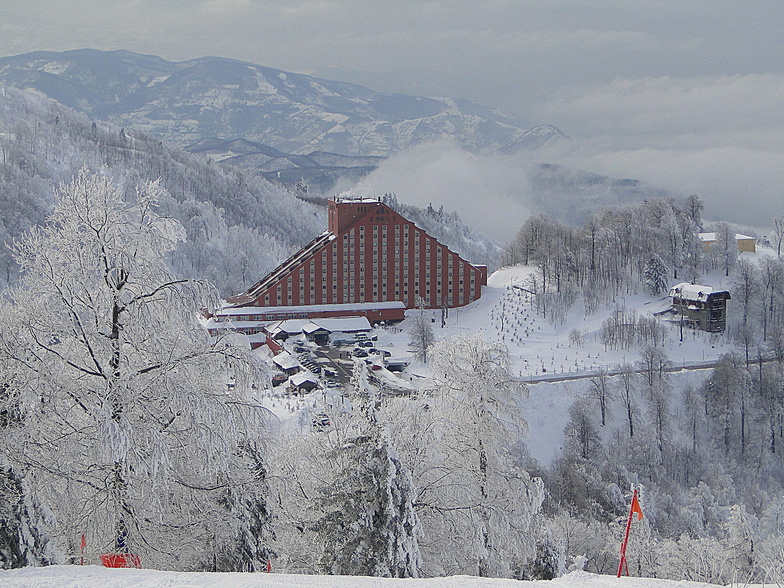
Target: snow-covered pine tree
x,y
124,428
23,525
368,526
656,279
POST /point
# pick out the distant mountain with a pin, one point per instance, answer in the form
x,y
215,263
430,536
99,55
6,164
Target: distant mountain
x,y
316,172
572,194
187,102
536,138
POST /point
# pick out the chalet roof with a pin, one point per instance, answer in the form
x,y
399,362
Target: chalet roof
x,y
695,292
302,377
289,326
285,361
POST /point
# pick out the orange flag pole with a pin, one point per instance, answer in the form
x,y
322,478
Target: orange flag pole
x,y
633,508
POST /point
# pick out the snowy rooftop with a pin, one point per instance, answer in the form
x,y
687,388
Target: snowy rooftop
x,y
302,377
358,199
290,326
346,307
692,291
285,361
348,324
712,236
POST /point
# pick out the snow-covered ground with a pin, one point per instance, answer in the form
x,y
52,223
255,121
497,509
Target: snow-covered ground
x,y
538,350
544,355
98,577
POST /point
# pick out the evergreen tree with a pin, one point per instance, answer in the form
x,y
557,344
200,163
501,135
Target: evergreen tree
x,y
656,275
368,526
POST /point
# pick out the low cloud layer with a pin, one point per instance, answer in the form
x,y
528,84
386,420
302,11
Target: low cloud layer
x,y
488,192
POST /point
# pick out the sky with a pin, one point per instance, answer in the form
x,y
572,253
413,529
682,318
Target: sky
x,y
688,95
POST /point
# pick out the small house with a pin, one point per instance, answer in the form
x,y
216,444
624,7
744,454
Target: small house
x,y
287,363
701,307
303,382
746,244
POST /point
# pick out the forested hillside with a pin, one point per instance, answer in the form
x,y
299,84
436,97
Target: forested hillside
x,y
113,396
239,226
705,447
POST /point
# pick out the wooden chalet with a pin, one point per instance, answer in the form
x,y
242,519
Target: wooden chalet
x,y
701,307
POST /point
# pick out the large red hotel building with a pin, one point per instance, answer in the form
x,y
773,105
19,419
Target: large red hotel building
x,y
370,256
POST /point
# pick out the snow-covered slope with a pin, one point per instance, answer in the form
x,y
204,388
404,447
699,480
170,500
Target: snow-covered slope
x,y
98,577
549,358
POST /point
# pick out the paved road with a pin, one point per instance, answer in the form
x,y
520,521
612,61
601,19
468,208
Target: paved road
x,y
342,371
703,365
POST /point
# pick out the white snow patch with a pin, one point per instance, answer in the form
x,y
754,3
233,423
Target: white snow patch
x,y
99,577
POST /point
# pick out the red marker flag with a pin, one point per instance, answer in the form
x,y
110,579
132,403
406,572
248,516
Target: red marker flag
x,y
636,507
633,508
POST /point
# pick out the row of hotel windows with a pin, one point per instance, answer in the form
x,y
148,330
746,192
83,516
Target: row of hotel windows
x,y
349,289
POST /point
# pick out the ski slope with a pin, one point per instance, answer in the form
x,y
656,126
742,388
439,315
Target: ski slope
x,y
99,577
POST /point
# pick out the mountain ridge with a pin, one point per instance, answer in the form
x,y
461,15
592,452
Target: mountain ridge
x,y
185,102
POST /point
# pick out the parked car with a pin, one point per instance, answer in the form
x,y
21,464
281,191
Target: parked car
x,y
321,421
359,352
365,344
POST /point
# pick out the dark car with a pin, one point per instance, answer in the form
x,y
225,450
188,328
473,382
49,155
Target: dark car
x,y
321,422
360,353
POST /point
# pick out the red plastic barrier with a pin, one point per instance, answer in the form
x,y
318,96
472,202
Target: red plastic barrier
x,y
120,560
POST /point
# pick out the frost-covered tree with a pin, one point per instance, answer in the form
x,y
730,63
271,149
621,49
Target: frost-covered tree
x,y
581,433
476,502
725,250
601,393
23,525
420,336
368,525
656,279
124,428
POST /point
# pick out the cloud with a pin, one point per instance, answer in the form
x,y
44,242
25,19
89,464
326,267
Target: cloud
x,y
698,112
488,192
737,184
721,137
224,6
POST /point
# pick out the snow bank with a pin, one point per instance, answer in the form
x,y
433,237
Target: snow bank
x,y
99,577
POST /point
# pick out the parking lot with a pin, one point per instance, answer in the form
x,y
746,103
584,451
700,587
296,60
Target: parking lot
x,y
334,363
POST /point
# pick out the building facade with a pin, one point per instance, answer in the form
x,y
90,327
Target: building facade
x,y
369,254
746,244
701,307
